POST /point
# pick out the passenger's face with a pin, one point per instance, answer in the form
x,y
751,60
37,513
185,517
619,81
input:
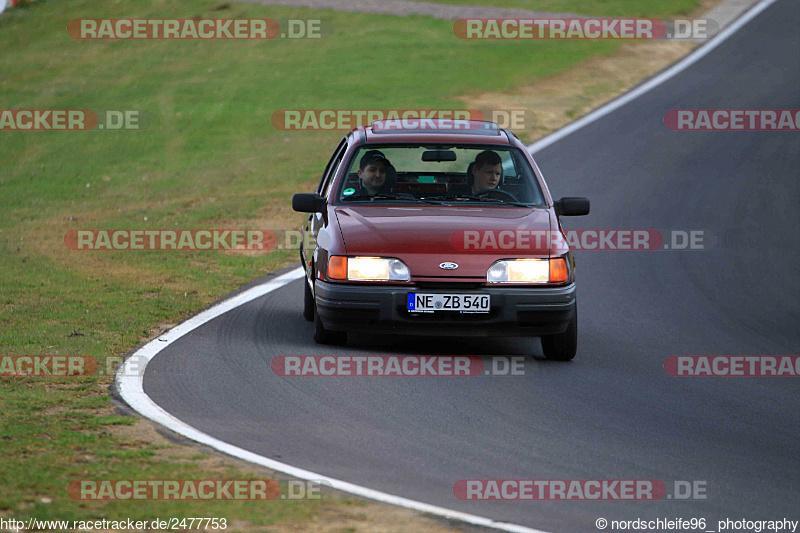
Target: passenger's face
x,y
487,177
373,176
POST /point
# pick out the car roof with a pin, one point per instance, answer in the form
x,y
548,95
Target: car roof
x,y
434,131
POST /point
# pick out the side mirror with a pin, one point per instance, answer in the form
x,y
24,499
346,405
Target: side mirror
x,y
572,206
308,203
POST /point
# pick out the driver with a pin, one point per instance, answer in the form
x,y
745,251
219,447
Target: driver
x,y
487,169
375,174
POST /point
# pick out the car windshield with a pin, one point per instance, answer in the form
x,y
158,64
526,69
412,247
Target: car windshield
x,y
440,174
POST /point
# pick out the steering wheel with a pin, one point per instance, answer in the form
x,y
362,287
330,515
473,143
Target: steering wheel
x,y
498,192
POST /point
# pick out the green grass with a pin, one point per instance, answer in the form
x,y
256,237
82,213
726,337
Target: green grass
x,y
610,8
209,157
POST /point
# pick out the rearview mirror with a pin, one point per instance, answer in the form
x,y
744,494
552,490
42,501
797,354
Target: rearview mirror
x,y
308,203
438,155
572,206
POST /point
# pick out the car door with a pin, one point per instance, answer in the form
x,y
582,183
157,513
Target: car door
x,y
315,221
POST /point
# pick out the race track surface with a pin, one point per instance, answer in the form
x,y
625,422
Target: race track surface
x,y
613,412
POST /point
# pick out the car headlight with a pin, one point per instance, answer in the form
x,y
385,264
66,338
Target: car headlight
x,y
528,271
367,269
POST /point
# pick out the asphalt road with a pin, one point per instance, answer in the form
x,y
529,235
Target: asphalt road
x,y
613,412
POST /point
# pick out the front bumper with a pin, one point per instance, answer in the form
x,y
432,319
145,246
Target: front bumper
x,y
515,311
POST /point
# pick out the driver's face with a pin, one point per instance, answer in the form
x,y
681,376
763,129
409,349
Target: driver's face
x,y
373,176
487,177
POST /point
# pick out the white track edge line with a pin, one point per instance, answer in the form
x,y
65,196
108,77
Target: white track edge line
x,y
130,381
130,376
682,65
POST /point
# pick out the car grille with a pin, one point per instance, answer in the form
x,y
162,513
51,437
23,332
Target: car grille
x,y
447,286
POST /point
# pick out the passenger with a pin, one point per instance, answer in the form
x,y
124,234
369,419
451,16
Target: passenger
x,y
376,174
486,172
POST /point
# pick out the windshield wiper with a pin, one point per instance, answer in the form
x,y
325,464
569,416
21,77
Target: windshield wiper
x,y
388,197
370,198
458,197
476,199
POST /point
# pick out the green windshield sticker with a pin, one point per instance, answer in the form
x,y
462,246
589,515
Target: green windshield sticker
x,y
426,179
348,192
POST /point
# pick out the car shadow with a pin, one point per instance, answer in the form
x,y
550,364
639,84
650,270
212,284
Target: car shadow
x,y
428,345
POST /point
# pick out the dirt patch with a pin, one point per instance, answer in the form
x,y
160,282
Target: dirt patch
x,y
402,8
559,100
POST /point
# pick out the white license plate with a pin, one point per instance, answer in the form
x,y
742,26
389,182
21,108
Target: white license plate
x,y
466,303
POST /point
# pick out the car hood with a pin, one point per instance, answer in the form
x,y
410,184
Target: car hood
x,y
426,236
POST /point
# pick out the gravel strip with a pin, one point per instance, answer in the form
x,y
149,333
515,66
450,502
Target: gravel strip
x,y
402,8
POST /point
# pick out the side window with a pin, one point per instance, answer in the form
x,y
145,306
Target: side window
x,y
332,174
509,168
331,167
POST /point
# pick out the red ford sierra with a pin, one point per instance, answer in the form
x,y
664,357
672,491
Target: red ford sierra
x,y
438,228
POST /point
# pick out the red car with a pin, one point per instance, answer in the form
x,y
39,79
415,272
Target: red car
x,y
438,228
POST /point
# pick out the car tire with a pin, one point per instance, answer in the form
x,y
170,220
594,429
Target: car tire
x,y
562,346
325,336
308,302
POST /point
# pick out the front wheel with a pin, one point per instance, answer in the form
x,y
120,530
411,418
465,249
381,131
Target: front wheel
x,y
562,346
325,336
